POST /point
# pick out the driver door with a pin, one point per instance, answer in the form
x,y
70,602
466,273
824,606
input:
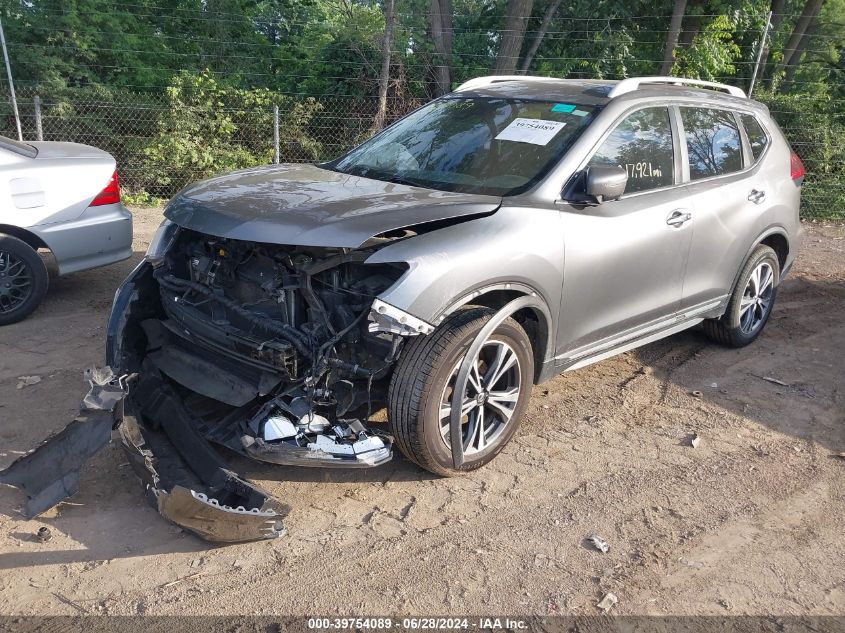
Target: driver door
x,y
625,259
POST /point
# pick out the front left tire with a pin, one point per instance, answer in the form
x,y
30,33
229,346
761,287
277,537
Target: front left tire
x,y
495,399
23,280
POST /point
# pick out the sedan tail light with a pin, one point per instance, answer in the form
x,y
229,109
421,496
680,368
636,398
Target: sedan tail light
x,y
110,193
796,167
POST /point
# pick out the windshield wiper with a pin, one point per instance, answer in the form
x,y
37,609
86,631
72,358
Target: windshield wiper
x,y
376,174
401,180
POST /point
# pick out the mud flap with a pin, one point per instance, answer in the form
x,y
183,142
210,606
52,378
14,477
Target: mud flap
x,y
50,473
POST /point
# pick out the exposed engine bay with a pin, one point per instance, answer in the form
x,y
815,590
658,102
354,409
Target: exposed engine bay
x,y
271,347
278,353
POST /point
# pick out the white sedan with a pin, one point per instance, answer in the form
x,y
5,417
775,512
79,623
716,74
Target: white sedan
x,y
63,197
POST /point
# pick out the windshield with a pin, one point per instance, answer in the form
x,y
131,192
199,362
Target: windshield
x,y
473,145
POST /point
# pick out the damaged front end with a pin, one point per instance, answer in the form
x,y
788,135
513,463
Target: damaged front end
x,y
277,353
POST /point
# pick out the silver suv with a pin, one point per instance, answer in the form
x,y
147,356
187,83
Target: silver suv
x,y
512,230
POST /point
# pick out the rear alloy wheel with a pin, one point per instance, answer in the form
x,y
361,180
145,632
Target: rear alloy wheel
x,y
495,398
751,303
23,280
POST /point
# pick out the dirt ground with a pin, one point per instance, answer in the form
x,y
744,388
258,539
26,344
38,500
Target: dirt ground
x,y
749,522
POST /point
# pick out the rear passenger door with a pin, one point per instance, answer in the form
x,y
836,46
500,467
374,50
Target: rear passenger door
x,y
722,196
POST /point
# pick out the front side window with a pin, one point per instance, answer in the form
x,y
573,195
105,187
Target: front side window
x,y
491,146
757,137
713,144
642,145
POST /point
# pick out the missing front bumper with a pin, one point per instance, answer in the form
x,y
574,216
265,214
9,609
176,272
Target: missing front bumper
x,y
189,485
185,479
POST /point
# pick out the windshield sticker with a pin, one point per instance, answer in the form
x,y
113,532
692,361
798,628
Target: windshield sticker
x,y
534,131
563,107
579,113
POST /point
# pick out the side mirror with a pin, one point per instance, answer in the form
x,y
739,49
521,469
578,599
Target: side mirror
x,y
605,182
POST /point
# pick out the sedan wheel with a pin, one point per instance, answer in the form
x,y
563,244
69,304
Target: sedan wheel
x,y
23,279
15,282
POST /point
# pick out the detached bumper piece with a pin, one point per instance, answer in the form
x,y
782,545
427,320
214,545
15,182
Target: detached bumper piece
x,y
50,473
185,479
327,451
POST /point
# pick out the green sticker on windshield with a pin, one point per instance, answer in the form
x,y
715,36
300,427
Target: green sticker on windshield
x,y
579,113
563,107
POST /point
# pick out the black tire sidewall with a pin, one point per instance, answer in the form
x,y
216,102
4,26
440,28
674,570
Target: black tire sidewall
x,y
762,254
429,418
37,269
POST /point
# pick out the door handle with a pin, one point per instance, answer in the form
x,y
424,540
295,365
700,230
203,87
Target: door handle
x,y
678,217
756,196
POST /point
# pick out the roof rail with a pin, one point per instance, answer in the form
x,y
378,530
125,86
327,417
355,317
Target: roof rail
x,y
629,85
480,82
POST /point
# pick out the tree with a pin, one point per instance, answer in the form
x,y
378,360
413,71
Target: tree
x,y
551,10
440,19
794,44
512,36
384,75
672,36
776,8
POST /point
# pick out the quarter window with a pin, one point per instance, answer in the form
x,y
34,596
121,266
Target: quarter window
x,y
642,145
713,144
757,137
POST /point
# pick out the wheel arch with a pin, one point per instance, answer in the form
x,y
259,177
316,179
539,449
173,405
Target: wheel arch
x,y
774,237
536,318
779,243
28,237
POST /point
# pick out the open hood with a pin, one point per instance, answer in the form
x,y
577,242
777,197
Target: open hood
x,y
305,205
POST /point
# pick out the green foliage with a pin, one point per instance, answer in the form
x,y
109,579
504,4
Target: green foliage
x,y
180,89
815,127
711,54
143,199
210,128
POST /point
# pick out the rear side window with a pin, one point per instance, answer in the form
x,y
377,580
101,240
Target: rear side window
x,y
757,137
642,145
713,144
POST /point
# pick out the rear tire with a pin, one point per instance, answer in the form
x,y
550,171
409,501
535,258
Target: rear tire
x,y
23,280
751,302
420,392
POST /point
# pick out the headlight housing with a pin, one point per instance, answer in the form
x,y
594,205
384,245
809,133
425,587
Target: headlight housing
x,y
162,241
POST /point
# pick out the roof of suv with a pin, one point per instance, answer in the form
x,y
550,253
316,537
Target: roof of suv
x,y
598,91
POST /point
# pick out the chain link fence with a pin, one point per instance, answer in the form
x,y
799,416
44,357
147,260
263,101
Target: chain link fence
x,y
162,145
138,128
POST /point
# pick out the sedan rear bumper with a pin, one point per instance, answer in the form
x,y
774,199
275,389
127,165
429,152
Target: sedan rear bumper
x,y
101,235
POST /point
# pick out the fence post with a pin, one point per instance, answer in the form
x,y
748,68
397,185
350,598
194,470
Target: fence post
x,y
760,52
276,134
39,132
11,83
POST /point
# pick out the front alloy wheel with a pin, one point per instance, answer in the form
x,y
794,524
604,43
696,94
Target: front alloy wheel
x,y
493,403
489,403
